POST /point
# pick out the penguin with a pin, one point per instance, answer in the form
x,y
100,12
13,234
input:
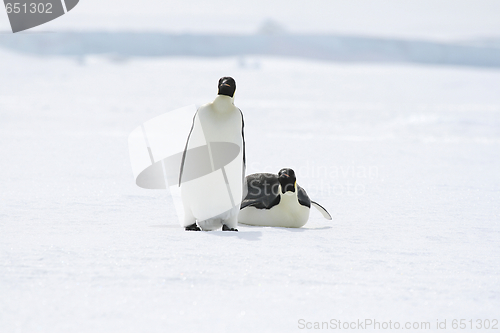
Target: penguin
x,y
212,169
276,201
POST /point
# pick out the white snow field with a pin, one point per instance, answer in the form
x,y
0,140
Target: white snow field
x,y
406,158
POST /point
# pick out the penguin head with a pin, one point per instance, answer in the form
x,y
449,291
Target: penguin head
x,y
287,180
227,86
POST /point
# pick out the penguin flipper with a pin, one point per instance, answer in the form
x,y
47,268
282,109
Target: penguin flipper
x,y
322,210
261,203
185,150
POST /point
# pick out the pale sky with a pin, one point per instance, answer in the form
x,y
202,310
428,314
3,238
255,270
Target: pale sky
x,y
409,19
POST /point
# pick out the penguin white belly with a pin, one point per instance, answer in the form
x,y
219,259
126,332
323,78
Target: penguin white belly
x,y
288,213
214,199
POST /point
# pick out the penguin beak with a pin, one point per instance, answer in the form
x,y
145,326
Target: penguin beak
x,y
224,83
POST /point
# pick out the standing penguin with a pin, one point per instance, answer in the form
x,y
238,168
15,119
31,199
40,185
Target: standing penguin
x,y
276,201
213,164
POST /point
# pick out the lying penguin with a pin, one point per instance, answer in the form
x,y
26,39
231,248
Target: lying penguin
x,y
276,201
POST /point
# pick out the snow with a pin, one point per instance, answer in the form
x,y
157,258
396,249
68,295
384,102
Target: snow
x,y
401,150
404,157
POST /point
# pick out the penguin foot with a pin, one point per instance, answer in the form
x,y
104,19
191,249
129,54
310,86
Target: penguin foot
x,y
226,228
192,227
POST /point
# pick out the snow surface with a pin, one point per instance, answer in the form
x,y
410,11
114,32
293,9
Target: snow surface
x,y
404,157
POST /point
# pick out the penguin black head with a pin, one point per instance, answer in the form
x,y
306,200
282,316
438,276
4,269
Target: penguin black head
x,y
287,180
227,86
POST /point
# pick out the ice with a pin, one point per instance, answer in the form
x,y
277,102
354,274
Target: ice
x,y
404,157
122,45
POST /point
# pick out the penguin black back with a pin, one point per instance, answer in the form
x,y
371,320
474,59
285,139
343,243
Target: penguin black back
x,y
263,191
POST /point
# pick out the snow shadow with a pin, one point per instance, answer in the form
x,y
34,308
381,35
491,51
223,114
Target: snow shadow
x,y
173,226
246,235
304,229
